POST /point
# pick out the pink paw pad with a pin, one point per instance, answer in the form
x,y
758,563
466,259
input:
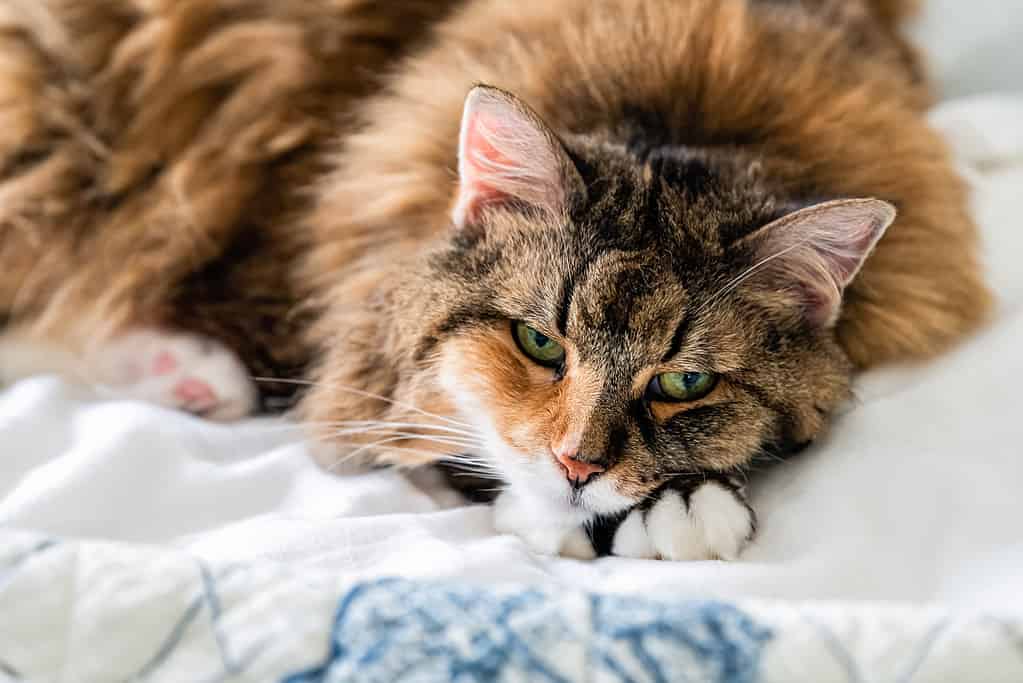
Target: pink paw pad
x,y
195,393
165,363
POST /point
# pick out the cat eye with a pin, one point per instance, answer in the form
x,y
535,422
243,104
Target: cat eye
x,y
538,346
678,387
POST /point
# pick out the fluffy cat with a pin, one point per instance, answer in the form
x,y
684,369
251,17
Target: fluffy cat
x,y
609,252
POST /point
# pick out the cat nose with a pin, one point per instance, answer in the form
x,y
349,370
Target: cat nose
x,y
577,471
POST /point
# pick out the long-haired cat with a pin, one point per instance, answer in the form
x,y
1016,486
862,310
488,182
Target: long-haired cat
x,y
609,251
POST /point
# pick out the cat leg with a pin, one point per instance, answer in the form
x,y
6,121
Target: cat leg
x,y
174,369
703,521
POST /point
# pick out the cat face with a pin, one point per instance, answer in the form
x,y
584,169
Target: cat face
x,y
608,319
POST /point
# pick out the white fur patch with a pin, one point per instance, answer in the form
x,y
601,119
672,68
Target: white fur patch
x,y
602,497
714,526
631,538
513,515
577,546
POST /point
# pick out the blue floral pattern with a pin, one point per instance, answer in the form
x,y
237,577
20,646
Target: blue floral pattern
x,y
393,631
644,640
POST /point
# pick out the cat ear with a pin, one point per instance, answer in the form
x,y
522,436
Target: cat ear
x,y
814,253
507,155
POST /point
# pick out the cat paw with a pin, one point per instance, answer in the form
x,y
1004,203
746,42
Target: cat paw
x,y
183,371
517,517
577,546
712,523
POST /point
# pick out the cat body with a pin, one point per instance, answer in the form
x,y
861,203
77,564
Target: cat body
x,y
614,275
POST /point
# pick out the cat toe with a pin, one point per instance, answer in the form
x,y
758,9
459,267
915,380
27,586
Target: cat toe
x,y
726,522
713,524
632,539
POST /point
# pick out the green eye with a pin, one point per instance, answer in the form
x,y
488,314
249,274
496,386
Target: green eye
x,y
681,386
538,346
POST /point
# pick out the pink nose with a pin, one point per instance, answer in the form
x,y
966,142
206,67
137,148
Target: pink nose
x,y
576,470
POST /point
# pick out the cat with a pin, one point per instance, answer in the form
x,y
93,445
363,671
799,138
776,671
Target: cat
x,y
609,253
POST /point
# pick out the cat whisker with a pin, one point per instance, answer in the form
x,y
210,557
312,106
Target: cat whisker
x,y
355,427
396,451
493,489
412,430
468,472
742,277
684,473
404,425
382,448
470,467
410,436
371,427
475,474
366,394
392,436
773,457
407,436
363,448
469,458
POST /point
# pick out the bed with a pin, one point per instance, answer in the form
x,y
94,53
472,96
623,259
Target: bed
x,y
142,544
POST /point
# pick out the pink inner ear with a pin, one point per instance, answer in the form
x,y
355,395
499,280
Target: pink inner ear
x,y
479,156
816,252
505,154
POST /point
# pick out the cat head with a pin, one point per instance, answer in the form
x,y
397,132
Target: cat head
x,y
609,316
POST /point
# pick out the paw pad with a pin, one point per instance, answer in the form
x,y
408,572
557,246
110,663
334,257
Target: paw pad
x,y
195,393
164,364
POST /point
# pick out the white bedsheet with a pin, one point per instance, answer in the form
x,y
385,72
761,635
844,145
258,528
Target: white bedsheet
x,y
913,497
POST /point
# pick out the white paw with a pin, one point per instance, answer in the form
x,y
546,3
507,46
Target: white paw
x,y
184,371
715,525
515,516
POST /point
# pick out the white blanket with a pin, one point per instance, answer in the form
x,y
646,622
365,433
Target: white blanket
x,y
913,497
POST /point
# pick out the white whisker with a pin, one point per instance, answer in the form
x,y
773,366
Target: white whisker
x,y
434,455
404,425
410,436
367,394
743,276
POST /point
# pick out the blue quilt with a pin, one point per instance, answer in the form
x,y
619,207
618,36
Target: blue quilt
x,y
96,612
